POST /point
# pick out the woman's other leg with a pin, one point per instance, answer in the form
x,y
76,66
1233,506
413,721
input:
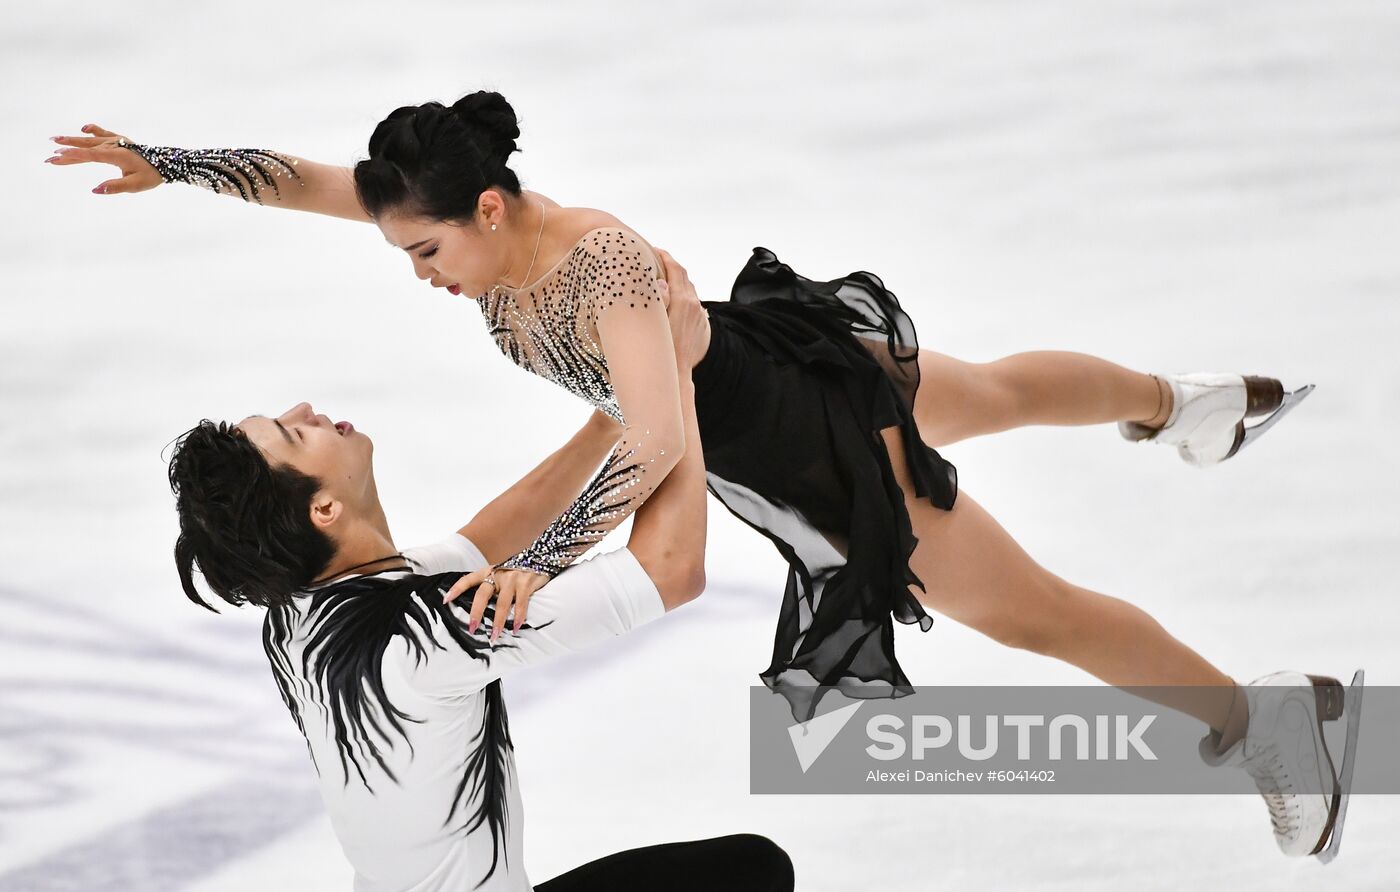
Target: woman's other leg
x,y
957,400
743,862
976,574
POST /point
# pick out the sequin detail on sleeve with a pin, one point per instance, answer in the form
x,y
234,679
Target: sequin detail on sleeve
x,y
220,170
550,327
613,493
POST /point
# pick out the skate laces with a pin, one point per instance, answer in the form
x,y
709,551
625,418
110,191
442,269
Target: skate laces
x,y
1265,765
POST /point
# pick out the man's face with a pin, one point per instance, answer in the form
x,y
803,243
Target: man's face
x,y
334,453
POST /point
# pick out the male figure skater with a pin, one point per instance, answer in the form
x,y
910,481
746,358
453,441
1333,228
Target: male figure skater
x,y
397,694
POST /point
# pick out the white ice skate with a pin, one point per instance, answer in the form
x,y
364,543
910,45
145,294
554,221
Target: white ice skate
x,y
1284,750
1207,420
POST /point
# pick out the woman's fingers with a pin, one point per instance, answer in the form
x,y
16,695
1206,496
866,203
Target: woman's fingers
x,y
96,136
533,583
132,182
116,156
70,156
137,174
504,600
455,591
461,585
77,155
479,602
512,588
82,141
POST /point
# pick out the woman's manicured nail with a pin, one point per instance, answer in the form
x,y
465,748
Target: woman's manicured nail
x,y
100,190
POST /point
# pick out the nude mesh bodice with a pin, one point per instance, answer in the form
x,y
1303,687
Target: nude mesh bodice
x,y
551,327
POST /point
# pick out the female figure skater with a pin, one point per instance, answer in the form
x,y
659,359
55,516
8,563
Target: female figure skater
x,y
820,416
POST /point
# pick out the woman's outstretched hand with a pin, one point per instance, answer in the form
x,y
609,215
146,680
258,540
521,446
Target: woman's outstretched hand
x,y
101,145
690,323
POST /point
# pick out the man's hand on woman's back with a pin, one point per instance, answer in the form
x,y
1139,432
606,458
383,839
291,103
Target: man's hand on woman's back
x,y
690,324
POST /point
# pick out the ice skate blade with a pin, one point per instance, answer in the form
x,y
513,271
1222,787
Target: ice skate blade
x,y
1353,713
1246,434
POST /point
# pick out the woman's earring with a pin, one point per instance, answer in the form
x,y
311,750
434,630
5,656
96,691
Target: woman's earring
x,y
493,227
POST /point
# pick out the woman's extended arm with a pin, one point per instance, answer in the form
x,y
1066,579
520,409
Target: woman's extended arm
x,y
276,179
513,520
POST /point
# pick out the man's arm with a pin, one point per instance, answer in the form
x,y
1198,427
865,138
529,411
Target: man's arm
x,y
513,520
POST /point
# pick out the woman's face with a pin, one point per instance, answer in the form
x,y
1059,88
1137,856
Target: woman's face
x,y
465,258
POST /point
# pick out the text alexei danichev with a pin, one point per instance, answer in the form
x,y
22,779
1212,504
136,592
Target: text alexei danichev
x,y
955,776
952,775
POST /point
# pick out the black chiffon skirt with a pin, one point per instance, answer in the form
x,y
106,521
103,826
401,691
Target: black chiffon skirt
x,y
799,380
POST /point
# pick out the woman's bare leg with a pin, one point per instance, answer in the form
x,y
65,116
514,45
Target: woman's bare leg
x,y
957,400
976,574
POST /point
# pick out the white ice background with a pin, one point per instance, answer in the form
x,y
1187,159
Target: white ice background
x,y
1176,186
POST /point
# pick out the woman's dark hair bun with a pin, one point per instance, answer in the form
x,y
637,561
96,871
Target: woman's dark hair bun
x,y
488,116
436,160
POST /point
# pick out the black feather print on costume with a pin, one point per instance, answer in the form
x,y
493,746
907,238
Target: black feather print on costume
x,y
488,783
352,623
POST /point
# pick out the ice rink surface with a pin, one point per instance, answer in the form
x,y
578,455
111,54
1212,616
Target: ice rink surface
x,y
1184,186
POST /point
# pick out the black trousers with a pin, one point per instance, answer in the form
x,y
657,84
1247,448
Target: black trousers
x,y
743,862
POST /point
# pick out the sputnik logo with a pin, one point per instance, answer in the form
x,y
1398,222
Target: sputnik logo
x,y
811,738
